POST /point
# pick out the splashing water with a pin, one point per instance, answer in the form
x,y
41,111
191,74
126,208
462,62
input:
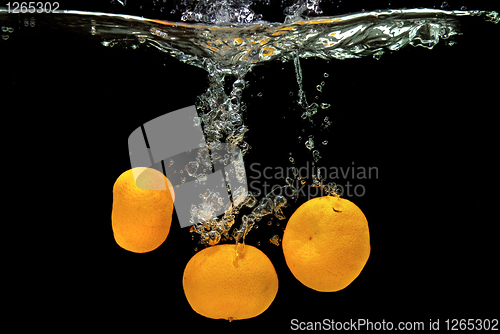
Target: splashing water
x,y
227,39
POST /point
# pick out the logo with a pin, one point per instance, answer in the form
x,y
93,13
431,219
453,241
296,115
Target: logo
x,y
217,170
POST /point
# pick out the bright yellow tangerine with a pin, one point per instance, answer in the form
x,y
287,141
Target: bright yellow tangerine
x,y
219,287
141,217
326,243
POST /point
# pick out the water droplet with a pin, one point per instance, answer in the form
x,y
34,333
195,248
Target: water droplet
x,y
325,105
326,75
191,168
444,5
324,142
275,240
5,37
141,39
32,22
310,144
316,155
291,160
259,94
319,88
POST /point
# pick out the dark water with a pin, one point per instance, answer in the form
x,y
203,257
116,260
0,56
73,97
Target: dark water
x,y
423,119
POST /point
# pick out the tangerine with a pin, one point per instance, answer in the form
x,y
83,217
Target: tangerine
x,y
143,202
219,285
326,243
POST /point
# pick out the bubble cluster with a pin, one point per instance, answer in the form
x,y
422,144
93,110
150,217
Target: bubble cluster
x,y
220,12
268,205
6,31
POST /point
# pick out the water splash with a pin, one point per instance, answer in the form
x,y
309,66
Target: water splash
x,y
242,44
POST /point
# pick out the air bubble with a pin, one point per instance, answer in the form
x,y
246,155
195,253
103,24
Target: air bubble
x,y
275,240
316,155
310,144
191,168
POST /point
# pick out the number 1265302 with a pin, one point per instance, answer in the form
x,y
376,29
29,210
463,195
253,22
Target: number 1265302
x,y
32,7
471,324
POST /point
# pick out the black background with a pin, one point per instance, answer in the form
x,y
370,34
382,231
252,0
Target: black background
x,y
424,118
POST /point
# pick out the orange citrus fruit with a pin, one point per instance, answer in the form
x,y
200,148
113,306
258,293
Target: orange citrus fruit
x,y
218,285
326,243
143,202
